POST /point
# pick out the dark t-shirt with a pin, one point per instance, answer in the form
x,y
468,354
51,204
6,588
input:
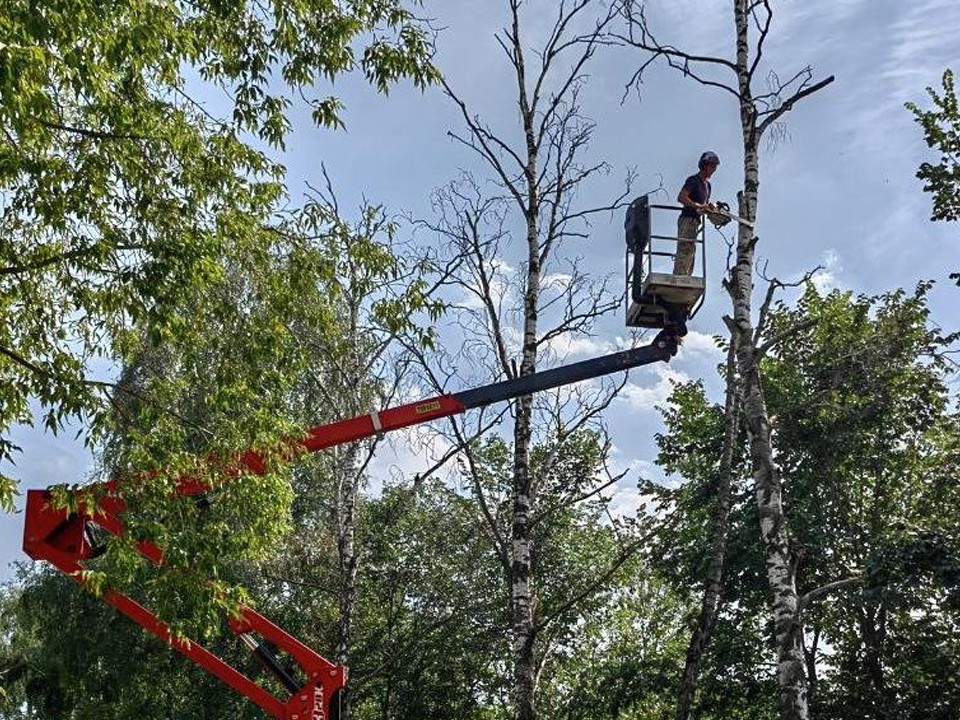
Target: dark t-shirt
x,y
699,191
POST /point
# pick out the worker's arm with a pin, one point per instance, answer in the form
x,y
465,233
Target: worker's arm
x,y
684,199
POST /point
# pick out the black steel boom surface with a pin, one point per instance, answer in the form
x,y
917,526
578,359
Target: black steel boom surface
x,y
662,349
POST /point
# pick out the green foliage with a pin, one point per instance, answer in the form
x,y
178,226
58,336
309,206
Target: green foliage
x,y
736,680
8,493
608,640
941,130
621,659
66,654
263,355
125,199
140,228
867,442
431,609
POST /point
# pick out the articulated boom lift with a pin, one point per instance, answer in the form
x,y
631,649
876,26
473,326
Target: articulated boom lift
x,y
656,298
315,688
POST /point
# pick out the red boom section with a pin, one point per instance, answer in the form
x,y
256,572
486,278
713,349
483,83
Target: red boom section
x,y
64,540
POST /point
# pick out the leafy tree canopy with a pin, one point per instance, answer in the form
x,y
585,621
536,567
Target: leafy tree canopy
x,y
941,130
121,193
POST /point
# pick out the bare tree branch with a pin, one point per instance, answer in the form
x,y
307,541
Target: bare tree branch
x,y
639,36
825,590
775,284
784,335
763,30
790,102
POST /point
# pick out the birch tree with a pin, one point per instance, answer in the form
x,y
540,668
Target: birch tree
x,y
361,367
760,112
862,406
863,409
354,364
734,664
536,174
717,532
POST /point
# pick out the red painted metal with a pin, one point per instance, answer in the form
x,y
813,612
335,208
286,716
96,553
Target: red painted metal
x,y
402,416
62,539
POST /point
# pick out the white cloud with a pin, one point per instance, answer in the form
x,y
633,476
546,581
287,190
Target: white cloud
x,y
625,501
570,345
709,34
825,280
499,273
652,395
700,343
917,41
910,51
556,281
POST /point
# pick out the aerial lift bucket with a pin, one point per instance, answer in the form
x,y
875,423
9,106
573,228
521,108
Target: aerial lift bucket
x,y
656,296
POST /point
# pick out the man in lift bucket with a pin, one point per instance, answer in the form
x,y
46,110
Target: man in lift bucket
x,y
695,198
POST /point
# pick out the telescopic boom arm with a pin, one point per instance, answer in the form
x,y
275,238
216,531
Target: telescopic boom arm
x,y
316,685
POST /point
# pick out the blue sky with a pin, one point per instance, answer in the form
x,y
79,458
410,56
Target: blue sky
x,y
838,190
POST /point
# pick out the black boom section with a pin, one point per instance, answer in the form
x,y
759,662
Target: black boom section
x,y
662,349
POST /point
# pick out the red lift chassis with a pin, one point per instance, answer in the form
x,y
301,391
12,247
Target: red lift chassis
x,y
64,540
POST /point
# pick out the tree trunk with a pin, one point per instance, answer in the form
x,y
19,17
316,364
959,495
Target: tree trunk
x,y
346,481
347,485
810,657
719,524
774,532
521,586
541,184
873,634
756,116
873,616
521,590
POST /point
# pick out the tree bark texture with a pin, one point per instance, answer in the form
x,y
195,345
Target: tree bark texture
x,y
521,588
774,532
345,477
539,179
719,525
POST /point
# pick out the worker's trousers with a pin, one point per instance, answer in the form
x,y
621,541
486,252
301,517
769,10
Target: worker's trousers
x,y
687,230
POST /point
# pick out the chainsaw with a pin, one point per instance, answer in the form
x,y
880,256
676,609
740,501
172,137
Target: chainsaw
x,y
721,215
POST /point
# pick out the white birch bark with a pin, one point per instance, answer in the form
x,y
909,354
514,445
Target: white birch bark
x,y
774,531
346,477
757,115
521,591
539,179
719,525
